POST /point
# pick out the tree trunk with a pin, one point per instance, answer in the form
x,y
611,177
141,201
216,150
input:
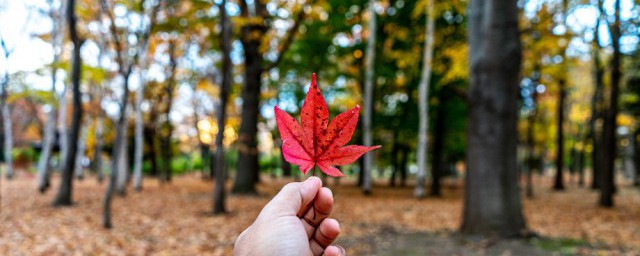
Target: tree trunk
x,y
139,138
403,166
607,183
492,200
370,55
248,169
63,198
63,131
6,125
559,179
284,165
120,148
423,103
97,157
167,127
82,144
437,169
219,206
44,163
597,107
150,140
395,162
636,141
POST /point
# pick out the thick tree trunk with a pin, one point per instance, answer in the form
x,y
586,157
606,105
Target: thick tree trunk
x,y
423,103
248,169
607,182
492,199
63,198
219,196
370,55
559,179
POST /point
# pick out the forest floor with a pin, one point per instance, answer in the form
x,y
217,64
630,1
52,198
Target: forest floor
x,y
174,219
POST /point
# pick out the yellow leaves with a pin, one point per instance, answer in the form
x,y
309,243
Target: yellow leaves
x,y
457,69
207,86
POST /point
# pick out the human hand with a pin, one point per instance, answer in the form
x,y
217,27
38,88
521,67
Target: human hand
x,y
286,225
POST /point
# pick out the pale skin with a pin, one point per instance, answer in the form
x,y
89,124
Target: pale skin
x,y
286,225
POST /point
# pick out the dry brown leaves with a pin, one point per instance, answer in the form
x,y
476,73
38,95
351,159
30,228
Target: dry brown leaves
x,y
173,219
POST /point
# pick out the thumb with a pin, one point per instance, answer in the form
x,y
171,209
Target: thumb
x,y
294,199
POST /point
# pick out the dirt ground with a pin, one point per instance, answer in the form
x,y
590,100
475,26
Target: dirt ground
x,y
173,219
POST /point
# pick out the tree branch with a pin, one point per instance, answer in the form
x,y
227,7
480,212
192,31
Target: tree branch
x,y
288,40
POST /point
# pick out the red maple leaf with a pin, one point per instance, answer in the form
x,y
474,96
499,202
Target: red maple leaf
x,y
318,142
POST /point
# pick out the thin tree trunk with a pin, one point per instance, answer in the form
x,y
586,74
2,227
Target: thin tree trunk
x,y
63,131
395,162
82,144
44,163
97,157
122,127
150,139
636,141
367,178
437,169
8,137
167,127
219,206
139,132
423,103
403,165
492,200
597,107
63,198
607,183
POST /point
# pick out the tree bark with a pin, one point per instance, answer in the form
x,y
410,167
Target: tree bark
x,y
423,102
219,196
97,157
636,141
44,163
63,198
248,170
559,178
6,125
370,55
437,169
597,107
607,183
143,65
167,127
82,144
120,147
492,201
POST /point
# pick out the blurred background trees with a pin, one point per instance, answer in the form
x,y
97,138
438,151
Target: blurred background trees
x,y
172,87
